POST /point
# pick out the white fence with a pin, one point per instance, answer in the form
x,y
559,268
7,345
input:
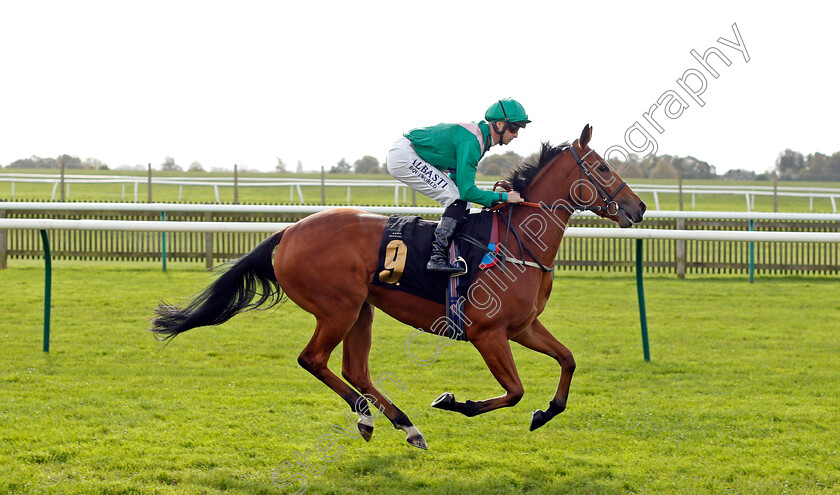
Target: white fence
x,y
571,232
294,184
779,251
383,210
269,227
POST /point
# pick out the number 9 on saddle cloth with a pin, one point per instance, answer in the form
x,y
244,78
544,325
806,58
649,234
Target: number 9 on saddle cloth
x,y
405,248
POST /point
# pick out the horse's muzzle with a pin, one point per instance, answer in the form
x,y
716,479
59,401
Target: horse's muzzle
x,y
641,212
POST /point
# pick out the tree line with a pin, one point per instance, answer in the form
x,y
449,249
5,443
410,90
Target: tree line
x,y
790,165
75,163
663,166
70,162
652,167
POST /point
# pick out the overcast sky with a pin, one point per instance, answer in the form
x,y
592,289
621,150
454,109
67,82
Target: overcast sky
x,y
245,82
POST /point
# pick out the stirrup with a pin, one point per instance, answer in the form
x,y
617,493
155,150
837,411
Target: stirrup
x,y
461,264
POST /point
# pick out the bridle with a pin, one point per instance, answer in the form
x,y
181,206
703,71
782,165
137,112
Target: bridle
x,y
610,205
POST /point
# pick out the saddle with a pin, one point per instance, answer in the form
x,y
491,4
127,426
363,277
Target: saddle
x,y
405,249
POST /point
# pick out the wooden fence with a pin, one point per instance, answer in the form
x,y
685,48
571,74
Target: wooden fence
x,y
211,248
662,256
688,256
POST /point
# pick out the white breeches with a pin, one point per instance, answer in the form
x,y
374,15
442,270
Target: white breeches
x,y
405,165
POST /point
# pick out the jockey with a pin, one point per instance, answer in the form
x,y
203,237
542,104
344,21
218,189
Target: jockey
x,y
420,158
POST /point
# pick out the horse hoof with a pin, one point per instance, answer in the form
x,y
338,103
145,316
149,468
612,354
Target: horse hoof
x,y
366,431
538,418
444,401
417,441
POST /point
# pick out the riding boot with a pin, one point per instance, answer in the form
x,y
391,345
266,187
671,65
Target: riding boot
x,y
439,260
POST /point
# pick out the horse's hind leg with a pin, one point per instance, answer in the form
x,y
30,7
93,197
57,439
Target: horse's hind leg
x,y
538,338
316,355
355,370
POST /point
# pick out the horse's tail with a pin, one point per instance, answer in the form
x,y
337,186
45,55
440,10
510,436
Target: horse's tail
x,y
246,284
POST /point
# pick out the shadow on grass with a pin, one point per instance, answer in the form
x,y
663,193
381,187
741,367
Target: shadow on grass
x,y
415,472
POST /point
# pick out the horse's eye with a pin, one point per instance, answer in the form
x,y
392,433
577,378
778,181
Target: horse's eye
x,y
603,169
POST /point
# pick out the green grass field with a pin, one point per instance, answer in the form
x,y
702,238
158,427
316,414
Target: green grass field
x,y
740,397
338,195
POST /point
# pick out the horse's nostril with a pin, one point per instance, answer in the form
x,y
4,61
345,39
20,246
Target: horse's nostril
x,y
642,207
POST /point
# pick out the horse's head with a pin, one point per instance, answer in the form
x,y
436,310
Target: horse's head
x,y
587,182
600,189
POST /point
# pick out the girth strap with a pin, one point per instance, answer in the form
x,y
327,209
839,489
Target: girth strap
x,y
527,263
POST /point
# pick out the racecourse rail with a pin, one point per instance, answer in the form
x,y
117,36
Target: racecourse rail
x,y
231,237
639,234
295,186
269,227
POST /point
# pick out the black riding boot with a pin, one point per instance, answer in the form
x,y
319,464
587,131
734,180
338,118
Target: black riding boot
x,y
439,260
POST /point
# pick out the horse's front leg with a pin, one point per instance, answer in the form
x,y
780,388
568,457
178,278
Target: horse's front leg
x,y
538,338
495,350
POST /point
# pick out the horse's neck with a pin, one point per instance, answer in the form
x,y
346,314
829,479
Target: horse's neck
x,y
541,229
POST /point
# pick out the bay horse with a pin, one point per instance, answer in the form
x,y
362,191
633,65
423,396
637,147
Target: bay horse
x,y
326,263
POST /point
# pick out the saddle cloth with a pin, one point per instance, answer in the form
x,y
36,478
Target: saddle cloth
x,y
406,246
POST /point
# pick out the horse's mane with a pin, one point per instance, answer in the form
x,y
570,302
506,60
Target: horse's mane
x,y
520,177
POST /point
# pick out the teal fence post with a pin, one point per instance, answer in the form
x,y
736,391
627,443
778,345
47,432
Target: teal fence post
x,y
752,254
640,288
47,289
163,240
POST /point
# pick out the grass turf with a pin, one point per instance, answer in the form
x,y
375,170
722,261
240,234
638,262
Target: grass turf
x,y
740,397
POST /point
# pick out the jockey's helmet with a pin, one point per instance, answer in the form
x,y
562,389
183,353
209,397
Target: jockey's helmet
x,y
507,110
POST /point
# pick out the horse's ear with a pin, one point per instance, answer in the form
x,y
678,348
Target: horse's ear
x,y
585,136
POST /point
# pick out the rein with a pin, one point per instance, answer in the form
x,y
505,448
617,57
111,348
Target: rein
x,y
610,206
522,247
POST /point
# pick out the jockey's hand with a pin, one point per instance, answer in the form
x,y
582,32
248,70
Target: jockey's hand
x,y
514,197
